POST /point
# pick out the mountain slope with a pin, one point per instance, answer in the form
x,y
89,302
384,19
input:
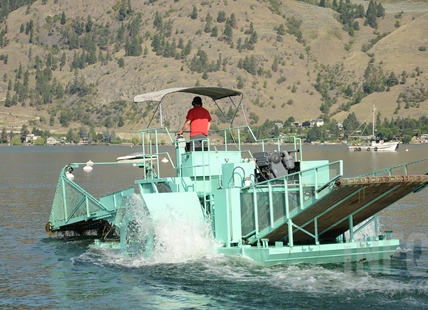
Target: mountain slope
x,y
325,49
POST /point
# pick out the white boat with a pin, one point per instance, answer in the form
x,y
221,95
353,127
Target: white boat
x,y
375,145
372,144
138,157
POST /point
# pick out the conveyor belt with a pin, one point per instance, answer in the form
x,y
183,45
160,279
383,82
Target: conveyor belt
x,y
361,197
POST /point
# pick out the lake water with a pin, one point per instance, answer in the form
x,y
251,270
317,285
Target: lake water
x,y
40,272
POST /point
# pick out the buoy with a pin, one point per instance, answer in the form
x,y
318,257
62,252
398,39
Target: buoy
x,y
87,168
407,150
165,160
90,163
69,175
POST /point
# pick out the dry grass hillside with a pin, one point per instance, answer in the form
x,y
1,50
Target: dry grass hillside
x,y
270,95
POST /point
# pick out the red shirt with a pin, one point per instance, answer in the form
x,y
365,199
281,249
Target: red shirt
x,y
199,118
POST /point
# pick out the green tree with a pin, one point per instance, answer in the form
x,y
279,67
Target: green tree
x,y
108,122
24,133
294,88
188,48
407,139
194,14
249,65
380,11
348,91
65,118
8,100
89,24
221,17
228,33
250,30
83,132
240,83
157,21
350,123
359,12
51,120
91,57
63,60
281,30
314,134
383,133
70,136
232,21
15,141
371,14
59,90
63,18
29,27
374,79
39,141
4,135
208,20
392,79
214,32
121,122
121,62
122,12
289,122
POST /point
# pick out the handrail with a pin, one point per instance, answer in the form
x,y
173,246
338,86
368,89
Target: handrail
x,y
265,187
259,184
228,137
390,169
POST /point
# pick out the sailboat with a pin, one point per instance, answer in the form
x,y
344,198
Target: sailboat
x,y
374,144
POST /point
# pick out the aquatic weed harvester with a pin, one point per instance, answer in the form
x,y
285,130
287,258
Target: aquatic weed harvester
x,y
270,205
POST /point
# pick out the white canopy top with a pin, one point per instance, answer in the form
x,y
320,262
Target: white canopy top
x,y
213,92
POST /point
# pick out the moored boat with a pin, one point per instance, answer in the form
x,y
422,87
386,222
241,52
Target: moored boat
x,y
371,143
375,145
270,205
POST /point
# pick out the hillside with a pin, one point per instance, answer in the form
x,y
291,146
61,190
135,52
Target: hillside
x,y
313,69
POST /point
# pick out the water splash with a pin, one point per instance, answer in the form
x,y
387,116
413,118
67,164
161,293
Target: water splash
x,y
173,237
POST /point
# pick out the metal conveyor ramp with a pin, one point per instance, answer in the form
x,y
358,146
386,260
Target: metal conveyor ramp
x,y
349,202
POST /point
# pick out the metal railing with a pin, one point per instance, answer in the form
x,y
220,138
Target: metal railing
x,y
395,169
270,204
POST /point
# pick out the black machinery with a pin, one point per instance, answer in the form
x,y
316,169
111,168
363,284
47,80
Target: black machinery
x,y
270,165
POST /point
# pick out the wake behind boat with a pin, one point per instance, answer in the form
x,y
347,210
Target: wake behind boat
x,y
270,205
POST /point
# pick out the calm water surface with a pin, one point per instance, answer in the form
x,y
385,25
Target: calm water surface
x,y
39,272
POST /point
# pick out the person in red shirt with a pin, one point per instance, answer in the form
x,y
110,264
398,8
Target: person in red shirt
x,y
199,120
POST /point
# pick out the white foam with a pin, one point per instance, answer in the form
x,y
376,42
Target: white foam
x,y
177,238
190,246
